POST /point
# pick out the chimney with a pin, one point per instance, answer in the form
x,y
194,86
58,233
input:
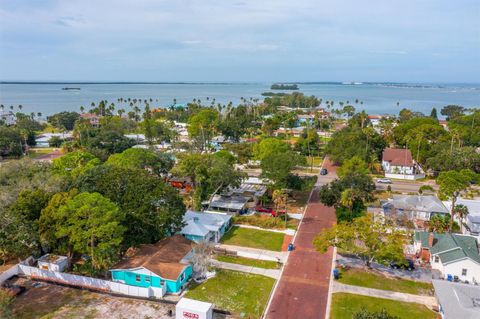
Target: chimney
x,y
430,239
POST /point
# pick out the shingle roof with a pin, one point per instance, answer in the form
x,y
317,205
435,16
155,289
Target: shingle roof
x,y
199,224
453,247
162,258
398,156
426,203
423,236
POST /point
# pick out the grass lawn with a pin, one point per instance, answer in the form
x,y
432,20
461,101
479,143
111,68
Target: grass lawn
x,y
235,291
37,152
268,264
317,160
360,277
345,305
253,238
267,222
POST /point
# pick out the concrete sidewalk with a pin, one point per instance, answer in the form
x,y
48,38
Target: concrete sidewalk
x,y
288,231
272,273
428,301
255,253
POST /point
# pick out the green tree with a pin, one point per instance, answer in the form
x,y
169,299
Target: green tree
x,y
452,184
64,120
74,163
209,174
202,127
368,239
156,162
433,114
354,165
452,111
11,142
93,227
5,304
153,208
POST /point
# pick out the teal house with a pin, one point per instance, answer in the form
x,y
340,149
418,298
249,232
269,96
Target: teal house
x,y
162,266
204,226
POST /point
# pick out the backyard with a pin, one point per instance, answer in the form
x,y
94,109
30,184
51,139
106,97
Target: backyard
x,y
360,277
345,305
253,238
240,293
267,264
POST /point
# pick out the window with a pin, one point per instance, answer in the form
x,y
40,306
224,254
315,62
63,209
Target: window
x,y
182,277
137,278
147,279
437,259
464,272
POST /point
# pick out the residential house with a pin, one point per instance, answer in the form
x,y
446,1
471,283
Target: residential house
x,y
455,256
184,184
43,139
204,226
398,163
457,300
224,204
305,119
252,188
164,265
472,221
375,119
8,117
416,208
93,118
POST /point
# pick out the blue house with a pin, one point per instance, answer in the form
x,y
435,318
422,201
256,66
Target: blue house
x,y
163,265
208,227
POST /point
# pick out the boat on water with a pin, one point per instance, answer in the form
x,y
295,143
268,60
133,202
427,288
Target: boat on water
x,y
352,83
68,88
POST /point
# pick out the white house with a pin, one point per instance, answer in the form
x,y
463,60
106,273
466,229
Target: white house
x,y
52,262
399,164
456,257
8,117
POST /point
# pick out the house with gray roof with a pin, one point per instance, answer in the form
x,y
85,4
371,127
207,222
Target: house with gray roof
x,y
417,208
227,204
204,226
472,220
455,256
457,300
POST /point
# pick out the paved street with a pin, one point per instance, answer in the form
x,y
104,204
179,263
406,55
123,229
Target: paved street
x,y
302,291
405,186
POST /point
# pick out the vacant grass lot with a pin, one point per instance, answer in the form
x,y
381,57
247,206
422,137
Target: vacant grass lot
x,y
359,277
268,264
235,291
253,238
37,152
265,221
345,305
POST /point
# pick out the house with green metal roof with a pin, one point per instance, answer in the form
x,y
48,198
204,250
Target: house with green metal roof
x,y
455,256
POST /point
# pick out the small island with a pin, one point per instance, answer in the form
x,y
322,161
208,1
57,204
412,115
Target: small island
x,y
282,86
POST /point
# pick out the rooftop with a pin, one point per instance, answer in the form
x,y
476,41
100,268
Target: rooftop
x,y
452,247
162,258
426,203
228,202
52,259
398,156
199,224
458,300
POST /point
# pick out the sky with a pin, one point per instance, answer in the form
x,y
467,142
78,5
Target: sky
x,y
240,40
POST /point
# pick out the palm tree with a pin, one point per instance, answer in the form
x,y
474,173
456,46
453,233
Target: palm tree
x,y
82,109
461,211
20,107
39,114
11,107
2,107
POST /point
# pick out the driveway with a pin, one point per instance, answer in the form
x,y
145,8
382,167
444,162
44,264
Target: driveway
x,y
419,274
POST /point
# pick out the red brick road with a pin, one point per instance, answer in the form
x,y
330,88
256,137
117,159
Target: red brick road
x,y
302,291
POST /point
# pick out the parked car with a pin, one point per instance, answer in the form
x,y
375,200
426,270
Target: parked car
x,y
323,171
406,264
269,211
384,181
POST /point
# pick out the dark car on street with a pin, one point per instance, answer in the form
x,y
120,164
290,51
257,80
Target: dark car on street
x,y
323,171
406,264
